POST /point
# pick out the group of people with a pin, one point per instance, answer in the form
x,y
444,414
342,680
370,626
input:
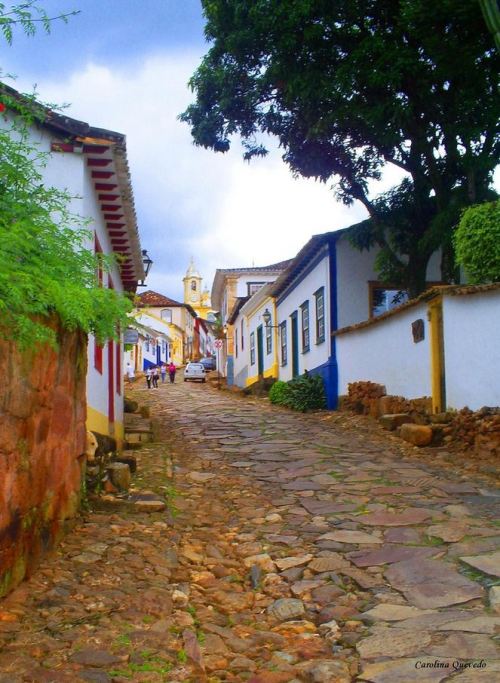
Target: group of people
x,y
154,373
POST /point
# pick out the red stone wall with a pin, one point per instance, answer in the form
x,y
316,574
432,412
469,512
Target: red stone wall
x,y
42,442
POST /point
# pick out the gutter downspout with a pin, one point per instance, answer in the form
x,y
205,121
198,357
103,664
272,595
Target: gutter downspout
x,y
332,386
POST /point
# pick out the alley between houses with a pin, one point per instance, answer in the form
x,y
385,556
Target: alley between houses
x,y
291,550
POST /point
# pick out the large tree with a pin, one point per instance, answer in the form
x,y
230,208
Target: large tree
x,y
348,86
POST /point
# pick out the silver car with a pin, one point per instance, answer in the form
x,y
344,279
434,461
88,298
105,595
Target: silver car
x,y
194,371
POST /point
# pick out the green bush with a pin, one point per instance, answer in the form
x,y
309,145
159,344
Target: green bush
x,y
306,392
278,393
477,243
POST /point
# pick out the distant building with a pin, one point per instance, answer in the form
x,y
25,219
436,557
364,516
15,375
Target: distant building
x,y
176,319
231,285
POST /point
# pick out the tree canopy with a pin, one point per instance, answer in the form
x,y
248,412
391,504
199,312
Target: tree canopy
x,y
348,86
477,242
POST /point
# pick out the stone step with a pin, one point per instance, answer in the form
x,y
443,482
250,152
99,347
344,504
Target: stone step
x,y
138,436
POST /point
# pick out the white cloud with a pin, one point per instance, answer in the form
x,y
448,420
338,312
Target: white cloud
x,y
190,201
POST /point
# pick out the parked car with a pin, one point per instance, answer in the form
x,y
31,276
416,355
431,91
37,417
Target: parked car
x,y
194,371
208,363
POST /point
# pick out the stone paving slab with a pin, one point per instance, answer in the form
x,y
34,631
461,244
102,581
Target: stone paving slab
x,y
286,548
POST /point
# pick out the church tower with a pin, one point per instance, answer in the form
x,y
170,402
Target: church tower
x,y
194,294
192,286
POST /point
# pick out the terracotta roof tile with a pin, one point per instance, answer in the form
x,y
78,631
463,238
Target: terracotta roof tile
x,y
151,298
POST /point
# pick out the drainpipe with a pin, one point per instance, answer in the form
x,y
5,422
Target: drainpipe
x,y
332,385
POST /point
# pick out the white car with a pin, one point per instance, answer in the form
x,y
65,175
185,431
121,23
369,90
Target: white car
x,y
194,371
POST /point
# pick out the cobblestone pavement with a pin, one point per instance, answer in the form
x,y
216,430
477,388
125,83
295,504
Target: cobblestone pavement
x,y
297,552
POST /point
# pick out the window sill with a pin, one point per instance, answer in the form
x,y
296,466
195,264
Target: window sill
x,y
320,341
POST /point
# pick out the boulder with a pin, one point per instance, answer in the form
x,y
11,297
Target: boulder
x,y
119,474
418,435
392,421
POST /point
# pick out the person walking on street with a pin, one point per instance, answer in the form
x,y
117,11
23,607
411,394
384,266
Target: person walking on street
x,y
171,372
156,377
163,371
148,377
130,373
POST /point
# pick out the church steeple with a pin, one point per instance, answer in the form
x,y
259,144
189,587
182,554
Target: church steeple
x,y
192,286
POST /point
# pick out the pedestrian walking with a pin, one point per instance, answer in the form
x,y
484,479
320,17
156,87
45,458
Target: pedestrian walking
x,y
148,377
171,372
155,377
163,371
130,372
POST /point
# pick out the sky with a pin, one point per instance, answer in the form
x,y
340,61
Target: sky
x,y
124,65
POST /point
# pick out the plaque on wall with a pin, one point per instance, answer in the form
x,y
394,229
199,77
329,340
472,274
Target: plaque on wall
x,y
418,330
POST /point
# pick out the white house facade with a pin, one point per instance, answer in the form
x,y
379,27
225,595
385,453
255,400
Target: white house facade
x,y
91,165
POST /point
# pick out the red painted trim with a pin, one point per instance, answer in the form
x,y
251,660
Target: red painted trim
x,y
110,216
108,197
115,226
98,357
110,207
99,162
106,186
103,174
62,147
119,368
95,149
111,384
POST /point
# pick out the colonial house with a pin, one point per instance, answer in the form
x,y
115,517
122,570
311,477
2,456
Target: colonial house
x,y
255,343
91,164
230,284
429,347
149,346
289,326
175,319
330,284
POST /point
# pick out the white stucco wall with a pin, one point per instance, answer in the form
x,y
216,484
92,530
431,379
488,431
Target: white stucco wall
x,y
241,358
385,353
354,271
472,350
254,321
244,280
304,291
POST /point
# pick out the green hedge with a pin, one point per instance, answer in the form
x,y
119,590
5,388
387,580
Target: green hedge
x,y
303,393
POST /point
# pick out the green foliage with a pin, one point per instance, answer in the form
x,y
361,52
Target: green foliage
x,y
306,392
477,242
28,15
350,86
278,393
303,393
47,264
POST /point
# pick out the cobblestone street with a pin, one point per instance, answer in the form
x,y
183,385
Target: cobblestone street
x,y
291,551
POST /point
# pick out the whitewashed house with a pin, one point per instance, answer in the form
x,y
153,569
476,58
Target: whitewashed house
x,y
255,343
229,285
444,344
176,320
328,285
91,165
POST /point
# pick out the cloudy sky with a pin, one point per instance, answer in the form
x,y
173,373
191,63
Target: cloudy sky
x,y
124,65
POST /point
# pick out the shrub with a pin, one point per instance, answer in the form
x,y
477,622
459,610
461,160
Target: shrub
x,y
477,242
278,393
306,392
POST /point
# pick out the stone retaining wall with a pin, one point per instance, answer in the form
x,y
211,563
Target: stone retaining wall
x,y
42,444
480,429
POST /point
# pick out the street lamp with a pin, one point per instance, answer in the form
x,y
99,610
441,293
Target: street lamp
x,y
147,262
267,318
